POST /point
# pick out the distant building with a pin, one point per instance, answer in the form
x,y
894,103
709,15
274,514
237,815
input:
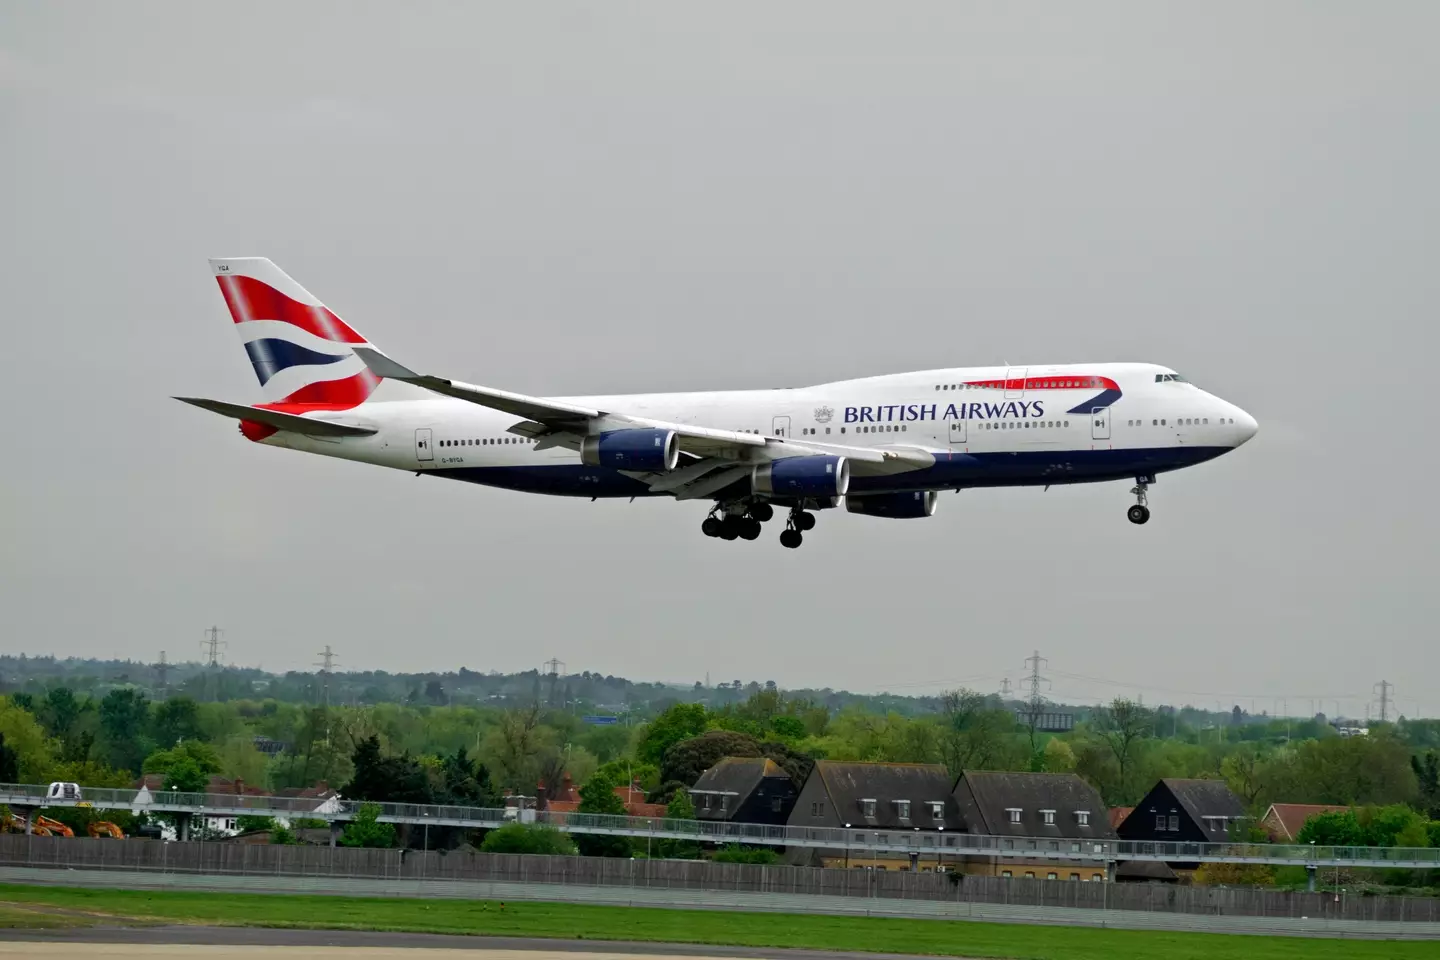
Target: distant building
x,y
1042,818
744,790
873,802
1046,722
1283,821
270,747
566,799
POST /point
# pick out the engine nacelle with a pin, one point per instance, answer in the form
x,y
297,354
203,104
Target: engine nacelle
x,y
821,476
648,450
896,506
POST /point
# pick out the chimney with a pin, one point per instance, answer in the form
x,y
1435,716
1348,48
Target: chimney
x,y
239,785
540,796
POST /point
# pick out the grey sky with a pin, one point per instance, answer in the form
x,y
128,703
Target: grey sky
x,y
571,198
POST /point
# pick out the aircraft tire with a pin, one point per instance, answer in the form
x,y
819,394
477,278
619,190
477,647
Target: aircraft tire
x,y
791,538
804,521
1139,513
762,511
749,529
711,527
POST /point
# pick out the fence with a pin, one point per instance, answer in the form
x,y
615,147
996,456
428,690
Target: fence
x,y
923,843
234,859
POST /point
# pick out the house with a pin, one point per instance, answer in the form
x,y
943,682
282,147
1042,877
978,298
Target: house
x,y
154,784
1044,818
567,799
1184,811
744,790
1283,821
873,800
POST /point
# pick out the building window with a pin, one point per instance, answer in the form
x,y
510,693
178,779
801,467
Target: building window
x,y
902,809
1098,876
937,809
1014,814
1029,874
1082,817
868,807
1005,874
1052,876
1159,821
1174,823
1048,816
1074,876
776,803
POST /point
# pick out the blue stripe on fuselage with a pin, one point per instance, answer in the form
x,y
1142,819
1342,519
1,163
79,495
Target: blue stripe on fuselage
x,y
1021,469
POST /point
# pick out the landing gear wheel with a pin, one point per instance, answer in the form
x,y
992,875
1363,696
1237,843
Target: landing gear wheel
x,y
1141,511
762,511
804,521
749,529
791,538
729,528
1138,513
710,527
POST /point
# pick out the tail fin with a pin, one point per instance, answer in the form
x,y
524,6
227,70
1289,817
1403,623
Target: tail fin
x,y
302,352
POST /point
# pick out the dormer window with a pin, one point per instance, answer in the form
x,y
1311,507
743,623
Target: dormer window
x,y
937,809
1013,813
867,807
902,809
1048,817
1082,817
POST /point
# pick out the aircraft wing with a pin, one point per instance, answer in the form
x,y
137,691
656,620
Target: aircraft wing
x,y
713,454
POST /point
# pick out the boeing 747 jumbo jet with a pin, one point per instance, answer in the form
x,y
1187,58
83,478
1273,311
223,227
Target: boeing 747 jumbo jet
x,y
879,446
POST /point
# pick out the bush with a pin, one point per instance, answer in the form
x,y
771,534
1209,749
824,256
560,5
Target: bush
x,y
734,853
525,838
364,831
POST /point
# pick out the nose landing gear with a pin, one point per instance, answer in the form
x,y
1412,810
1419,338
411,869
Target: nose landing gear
x,y
1140,512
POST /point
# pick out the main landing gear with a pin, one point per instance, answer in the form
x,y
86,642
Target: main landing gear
x,y
1141,511
741,521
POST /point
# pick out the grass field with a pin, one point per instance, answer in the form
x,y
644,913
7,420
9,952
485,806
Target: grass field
x,y
64,907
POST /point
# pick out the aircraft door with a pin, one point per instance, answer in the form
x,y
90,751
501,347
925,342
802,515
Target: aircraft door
x,y
424,445
1015,383
781,427
1100,423
957,432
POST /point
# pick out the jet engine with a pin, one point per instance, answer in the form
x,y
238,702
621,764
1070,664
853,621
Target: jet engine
x,y
819,476
896,506
647,450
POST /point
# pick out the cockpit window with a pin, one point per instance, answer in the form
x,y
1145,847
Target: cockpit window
x,y
1170,377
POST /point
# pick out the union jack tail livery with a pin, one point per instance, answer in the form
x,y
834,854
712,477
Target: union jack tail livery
x,y
302,352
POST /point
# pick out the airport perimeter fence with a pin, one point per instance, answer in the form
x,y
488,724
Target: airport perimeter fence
x,y
259,860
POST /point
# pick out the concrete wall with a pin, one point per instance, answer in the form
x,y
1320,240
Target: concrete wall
x,y
300,861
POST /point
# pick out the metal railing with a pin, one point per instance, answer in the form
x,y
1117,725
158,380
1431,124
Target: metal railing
x,y
855,840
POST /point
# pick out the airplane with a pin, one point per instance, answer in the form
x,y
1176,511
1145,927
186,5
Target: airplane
x,y
883,446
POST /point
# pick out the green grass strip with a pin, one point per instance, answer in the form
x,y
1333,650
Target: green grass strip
x,y
579,922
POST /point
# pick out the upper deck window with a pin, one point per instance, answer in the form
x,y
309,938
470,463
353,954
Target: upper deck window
x,y
1170,377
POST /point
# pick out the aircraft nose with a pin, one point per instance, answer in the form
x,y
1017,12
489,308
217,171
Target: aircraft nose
x,y
1246,426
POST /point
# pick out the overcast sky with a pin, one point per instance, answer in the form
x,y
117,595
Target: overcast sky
x,y
573,198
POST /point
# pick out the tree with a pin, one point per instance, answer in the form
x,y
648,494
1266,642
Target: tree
x,y
734,853
1427,778
527,838
9,763
386,779
186,776
176,721
366,831
681,808
59,711
1059,758
598,796
202,755
975,727
1244,772
686,759
124,721
246,823
467,783
1123,726
680,722
1338,828
26,741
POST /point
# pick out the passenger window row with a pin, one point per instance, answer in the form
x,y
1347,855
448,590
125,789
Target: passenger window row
x,y
1023,424
486,443
1181,422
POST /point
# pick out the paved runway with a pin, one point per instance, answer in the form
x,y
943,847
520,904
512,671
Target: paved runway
x,y
247,943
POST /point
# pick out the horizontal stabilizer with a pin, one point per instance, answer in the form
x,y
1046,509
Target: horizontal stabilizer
x,y
278,420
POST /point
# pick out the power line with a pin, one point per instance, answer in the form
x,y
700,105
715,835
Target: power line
x,y
326,665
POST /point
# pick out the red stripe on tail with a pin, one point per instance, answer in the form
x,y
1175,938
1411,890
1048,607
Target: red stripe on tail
x,y
251,299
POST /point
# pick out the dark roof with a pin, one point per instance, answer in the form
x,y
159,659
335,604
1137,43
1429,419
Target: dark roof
x,y
849,784
1145,870
998,792
738,776
1205,798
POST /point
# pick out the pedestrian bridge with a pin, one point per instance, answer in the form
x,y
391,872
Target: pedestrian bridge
x,y
860,841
